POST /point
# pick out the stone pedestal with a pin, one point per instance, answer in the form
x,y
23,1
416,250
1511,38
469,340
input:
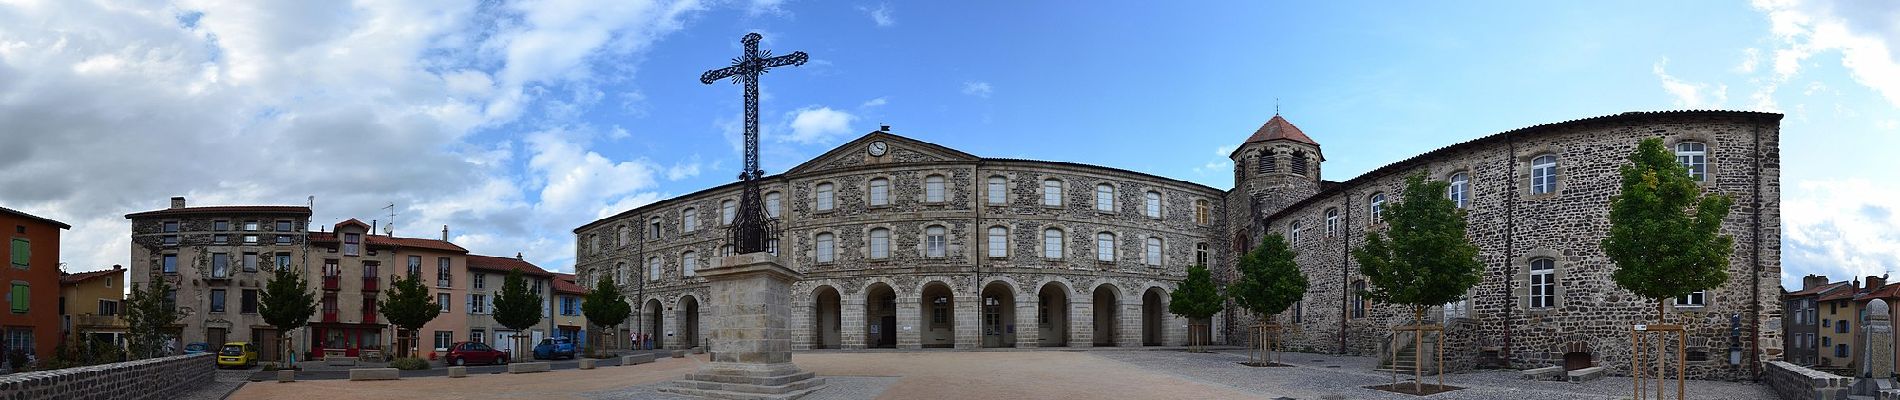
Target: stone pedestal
x,y
1876,365
751,336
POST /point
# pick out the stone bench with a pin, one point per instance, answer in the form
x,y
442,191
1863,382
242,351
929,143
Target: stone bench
x,y
527,367
374,374
458,372
636,359
587,363
1538,374
1586,374
286,375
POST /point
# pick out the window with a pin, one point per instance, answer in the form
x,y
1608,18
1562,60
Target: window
x,y
1298,164
1299,309
725,250
247,301
1293,233
826,251
1460,189
689,263
1460,308
478,280
1052,243
1151,204
20,298
1104,246
1543,283
220,225
1827,341
220,265
1840,326
171,240
620,274
626,236
1358,299
443,339
250,261
250,239
880,192
998,190
22,253
1201,212
1153,253
934,242
108,307
727,211
477,303
442,299
1104,198
933,189
283,225
1051,192
170,262
689,219
220,239
351,242
824,197
1200,254
217,300
1332,222
1840,350
331,269
1827,323
1694,156
1544,174
1693,299
442,278
283,239
476,335
282,262
250,226
169,227
771,205
1375,207
415,266
880,243
999,242
653,228
570,305
370,269
20,338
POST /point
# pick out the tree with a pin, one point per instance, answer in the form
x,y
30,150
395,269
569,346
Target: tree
x,y
1269,282
1423,259
286,303
1664,232
409,305
149,316
1197,298
605,306
516,307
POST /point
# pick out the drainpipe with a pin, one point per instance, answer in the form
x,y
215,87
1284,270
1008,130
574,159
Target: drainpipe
x,y
1754,309
1345,274
1510,247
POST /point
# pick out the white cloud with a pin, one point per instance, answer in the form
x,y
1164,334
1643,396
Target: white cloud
x,y
881,15
1751,57
977,88
1840,228
874,103
759,7
816,124
684,169
1690,94
1860,31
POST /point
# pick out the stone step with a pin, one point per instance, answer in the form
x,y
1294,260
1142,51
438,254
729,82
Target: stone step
x,y
730,395
750,380
796,386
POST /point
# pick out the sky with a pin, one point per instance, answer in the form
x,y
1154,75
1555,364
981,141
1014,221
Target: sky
x,y
514,122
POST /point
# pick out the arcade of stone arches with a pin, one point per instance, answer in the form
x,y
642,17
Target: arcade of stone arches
x,y
937,314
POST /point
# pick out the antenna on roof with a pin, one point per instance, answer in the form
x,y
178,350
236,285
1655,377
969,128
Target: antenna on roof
x,y
390,230
1276,106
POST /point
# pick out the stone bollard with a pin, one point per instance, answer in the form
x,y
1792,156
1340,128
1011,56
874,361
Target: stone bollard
x,y
458,372
374,374
679,353
636,359
286,375
587,363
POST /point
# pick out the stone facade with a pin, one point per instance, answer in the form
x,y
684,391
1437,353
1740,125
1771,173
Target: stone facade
x,y
152,378
191,237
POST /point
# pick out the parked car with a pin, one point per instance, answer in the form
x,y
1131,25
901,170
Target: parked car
x,y
464,353
554,347
237,354
197,347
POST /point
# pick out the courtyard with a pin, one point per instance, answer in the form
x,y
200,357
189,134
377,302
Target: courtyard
x,y
1042,374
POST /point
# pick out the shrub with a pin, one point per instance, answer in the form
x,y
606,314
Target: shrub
x,y
409,364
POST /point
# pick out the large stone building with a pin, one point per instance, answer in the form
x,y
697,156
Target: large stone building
x,y
909,244
212,257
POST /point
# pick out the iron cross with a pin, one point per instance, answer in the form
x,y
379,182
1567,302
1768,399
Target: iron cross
x,y
752,231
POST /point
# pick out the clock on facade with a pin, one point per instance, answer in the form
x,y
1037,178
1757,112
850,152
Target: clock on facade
x,y
876,149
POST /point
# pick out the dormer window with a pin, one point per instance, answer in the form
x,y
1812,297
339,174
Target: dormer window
x,y
352,244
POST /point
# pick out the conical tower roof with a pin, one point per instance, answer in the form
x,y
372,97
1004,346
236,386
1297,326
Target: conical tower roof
x,y
1279,128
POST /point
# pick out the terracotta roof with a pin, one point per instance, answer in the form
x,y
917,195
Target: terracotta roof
x,y
1818,289
1279,129
22,214
564,283
65,278
505,264
1840,295
387,241
1884,292
298,210
352,221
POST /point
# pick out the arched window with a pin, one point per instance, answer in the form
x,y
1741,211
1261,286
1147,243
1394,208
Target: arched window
x,y
1544,174
620,273
1105,246
1200,254
653,268
626,236
824,197
933,189
1104,198
1543,283
1460,190
998,190
880,243
1151,204
689,219
1332,221
1266,161
1299,163
999,242
689,263
934,241
771,205
1052,243
1153,254
1051,192
1293,233
653,228
827,247
1375,207
1201,212
1695,156
880,192
728,210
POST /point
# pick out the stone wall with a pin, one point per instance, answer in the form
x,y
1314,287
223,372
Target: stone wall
x,y
1793,382
155,378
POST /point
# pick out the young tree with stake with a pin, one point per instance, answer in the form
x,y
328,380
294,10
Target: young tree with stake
x,y
516,307
1269,282
605,306
1423,258
1196,299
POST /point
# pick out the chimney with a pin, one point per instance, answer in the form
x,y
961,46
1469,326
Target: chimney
x,y
1875,282
372,227
445,233
517,255
178,202
884,128
1813,281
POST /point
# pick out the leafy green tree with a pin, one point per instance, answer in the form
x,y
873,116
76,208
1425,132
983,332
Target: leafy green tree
x,y
1665,234
1269,282
1423,259
149,315
408,305
1197,298
287,303
605,306
516,307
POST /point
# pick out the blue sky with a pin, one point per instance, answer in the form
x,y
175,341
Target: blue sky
x,y
513,122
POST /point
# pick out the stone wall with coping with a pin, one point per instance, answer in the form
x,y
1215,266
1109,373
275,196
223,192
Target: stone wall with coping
x,y
153,378
1793,382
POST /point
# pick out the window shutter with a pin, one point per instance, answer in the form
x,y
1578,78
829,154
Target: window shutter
x,y
21,295
22,252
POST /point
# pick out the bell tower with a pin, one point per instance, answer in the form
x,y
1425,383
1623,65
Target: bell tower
x,y
1277,166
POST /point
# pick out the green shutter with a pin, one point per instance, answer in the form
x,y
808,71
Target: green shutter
x,y
22,252
20,297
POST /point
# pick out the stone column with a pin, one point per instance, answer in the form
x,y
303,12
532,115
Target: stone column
x,y
851,328
1876,347
910,322
801,323
1130,320
669,337
1081,323
751,339
969,319
1028,331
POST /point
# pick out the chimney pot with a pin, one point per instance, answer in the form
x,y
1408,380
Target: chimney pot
x,y
1813,281
178,202
884,128
517,255
445,232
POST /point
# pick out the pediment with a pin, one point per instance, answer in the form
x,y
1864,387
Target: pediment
x,y
897,150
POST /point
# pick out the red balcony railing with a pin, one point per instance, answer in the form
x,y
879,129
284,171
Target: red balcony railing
x,y
330,283
329,316
369,316
369,284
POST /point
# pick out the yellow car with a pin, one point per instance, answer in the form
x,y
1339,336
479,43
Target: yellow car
x,y
237,354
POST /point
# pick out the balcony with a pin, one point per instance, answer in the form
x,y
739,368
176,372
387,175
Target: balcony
x,y
369,284
330,282
329,316
369,316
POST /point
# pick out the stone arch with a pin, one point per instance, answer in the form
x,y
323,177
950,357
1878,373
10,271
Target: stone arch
x,y
1107,299
688,308
937,299
1154,315
880,298
997,303
1053,296
827,317
1577,354
655,325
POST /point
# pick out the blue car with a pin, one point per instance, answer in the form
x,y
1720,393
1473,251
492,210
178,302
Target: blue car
x,y
554,347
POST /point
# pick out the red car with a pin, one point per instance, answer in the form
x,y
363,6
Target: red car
x,y
464,353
